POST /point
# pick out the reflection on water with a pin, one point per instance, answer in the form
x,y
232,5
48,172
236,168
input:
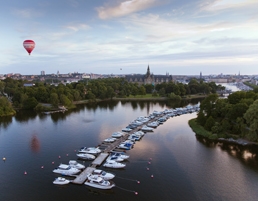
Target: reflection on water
x,y
5,122
35,144
247,154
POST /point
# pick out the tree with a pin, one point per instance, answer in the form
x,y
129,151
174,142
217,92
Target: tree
x,y
252,121
6,107
54,100
31,103
162,92
209,123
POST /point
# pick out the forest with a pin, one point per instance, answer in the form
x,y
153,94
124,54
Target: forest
x,y
15,94
235,116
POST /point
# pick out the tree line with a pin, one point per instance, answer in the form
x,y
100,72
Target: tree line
x,y
234,116
32,97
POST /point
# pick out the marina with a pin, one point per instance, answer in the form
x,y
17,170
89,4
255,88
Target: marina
x,y
110,147
183,167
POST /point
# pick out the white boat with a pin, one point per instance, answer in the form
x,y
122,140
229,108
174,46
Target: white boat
x,y
126,129
153,124
111,139
113,164
86,156
90,150
114,158
120,154
146,128
66,170
75,164
105,175
126,146
61,181
117,134
134,137
98,182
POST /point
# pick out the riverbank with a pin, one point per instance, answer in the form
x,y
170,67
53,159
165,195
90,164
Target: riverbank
x,y
200,131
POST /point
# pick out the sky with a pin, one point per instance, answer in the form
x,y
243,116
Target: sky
x,y
179,37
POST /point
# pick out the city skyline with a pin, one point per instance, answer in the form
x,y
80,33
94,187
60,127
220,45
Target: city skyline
x,y
125,36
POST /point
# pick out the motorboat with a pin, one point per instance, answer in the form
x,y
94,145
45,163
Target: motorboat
x,y
117,134
127,129
146,128
113,164
105,175
98,182
111,139
115,158
75,164
139,133
126,146
153,124
66,170
90,150
61,181
120,154
86,156
134,137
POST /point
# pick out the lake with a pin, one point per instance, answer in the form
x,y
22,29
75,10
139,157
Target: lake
x,y
171,163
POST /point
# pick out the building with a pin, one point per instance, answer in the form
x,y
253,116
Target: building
x,y
148,78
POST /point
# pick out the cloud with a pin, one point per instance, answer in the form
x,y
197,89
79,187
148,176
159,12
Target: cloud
x,y
217,5
77,27
125,8
27,13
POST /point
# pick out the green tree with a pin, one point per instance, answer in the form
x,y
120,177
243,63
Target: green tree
x,y
6,107
252,121
209,123
54,100
31,103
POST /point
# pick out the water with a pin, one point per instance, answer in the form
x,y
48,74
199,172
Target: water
x,y
170,163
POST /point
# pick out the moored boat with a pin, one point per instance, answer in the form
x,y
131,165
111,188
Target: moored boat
x,y
61,181
66,170
86,156
105,175
75,164
98,182
146,128
113,164
90,150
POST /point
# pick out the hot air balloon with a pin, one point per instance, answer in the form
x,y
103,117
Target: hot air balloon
x,y
29,45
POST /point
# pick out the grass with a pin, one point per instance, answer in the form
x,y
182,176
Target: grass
x,y
199,130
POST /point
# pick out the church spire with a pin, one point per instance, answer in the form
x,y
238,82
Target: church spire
x,y
148,71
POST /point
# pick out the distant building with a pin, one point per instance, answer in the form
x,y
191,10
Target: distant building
x,y
42,72
148,78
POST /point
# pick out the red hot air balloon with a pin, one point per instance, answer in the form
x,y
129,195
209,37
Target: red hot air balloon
x,y
29,45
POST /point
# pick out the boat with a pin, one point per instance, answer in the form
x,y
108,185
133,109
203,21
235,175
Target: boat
x,y
126,146
126,129
105,175
146,128
114,158
75,164
66,170
113,164
134,137
120,154
111,139
90,150
61,181
86,156
117,134
153,124
98,182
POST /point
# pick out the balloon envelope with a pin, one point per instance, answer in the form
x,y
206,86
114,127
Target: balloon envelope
x,y
29,45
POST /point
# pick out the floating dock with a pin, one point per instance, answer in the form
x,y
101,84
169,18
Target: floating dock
x,y
99,160
81,178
